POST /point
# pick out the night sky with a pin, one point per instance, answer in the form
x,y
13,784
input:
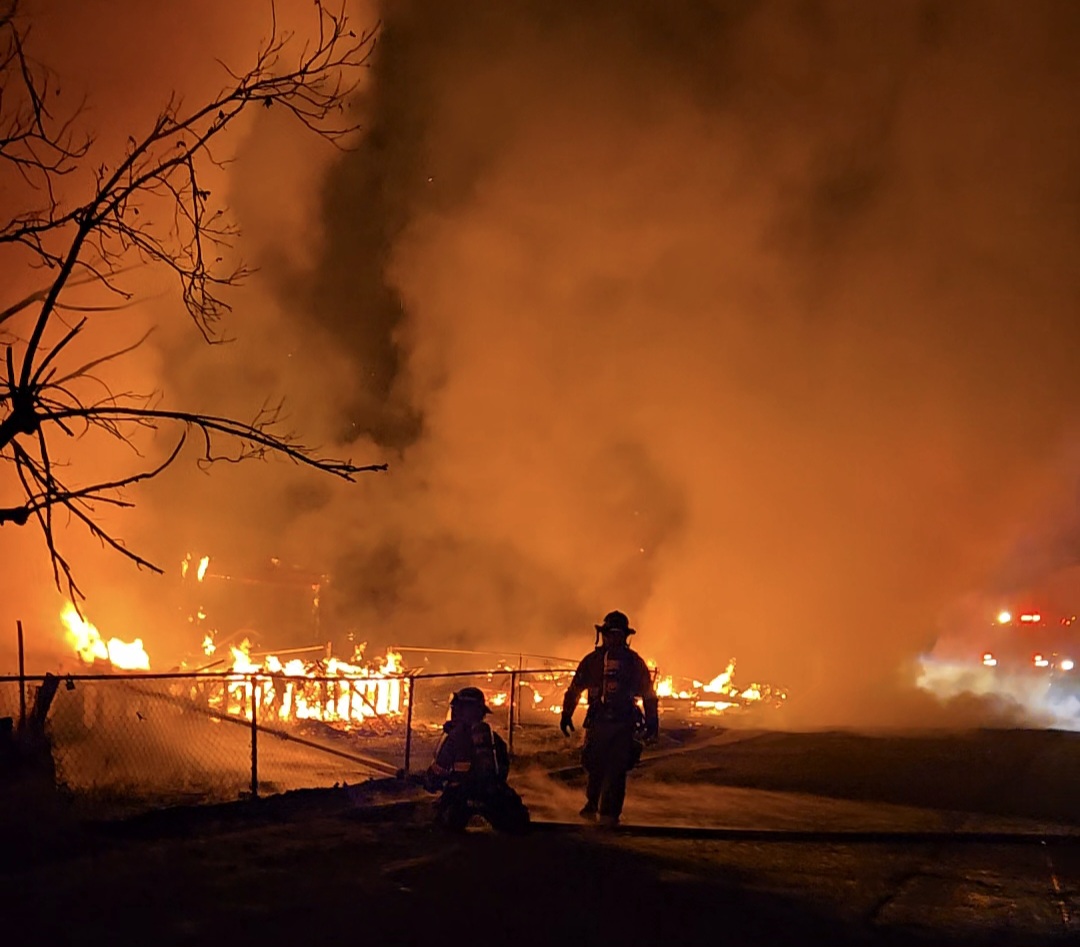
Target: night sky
x,y
757,320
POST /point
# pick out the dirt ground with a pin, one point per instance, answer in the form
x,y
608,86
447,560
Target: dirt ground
x,y
731,837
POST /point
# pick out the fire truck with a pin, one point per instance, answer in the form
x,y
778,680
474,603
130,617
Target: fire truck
x,y
1032,642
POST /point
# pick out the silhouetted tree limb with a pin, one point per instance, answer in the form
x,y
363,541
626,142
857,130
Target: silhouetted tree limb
x,y
94,239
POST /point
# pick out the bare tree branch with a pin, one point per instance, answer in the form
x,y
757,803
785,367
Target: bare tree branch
x,y
94,239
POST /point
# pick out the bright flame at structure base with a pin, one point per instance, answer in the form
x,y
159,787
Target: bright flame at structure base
x,y
719,694
331,691
91,647
340,692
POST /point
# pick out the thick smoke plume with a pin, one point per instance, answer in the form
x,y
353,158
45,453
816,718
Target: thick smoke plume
x,y
754,320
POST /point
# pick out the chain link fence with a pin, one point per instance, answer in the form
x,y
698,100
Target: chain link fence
x,y
9,697
129,742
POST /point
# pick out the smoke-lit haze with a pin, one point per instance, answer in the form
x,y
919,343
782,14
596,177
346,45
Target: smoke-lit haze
x,y
754,320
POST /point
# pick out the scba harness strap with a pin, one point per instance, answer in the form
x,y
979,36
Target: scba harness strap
x,y
616,697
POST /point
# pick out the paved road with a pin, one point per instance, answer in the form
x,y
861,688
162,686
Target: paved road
x,y
730,864
955,892
276,873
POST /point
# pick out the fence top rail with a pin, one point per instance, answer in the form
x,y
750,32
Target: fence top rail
x,y
521,655
492,672
242,676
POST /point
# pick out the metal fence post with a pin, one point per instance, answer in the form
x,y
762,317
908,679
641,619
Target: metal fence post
x,y
254,739
510,715
22,680
408,727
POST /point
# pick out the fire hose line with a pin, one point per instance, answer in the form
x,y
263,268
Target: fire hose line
x,y
1058,892
653,756
816,836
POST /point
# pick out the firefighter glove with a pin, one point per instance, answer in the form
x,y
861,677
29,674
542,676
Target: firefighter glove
x,y
566,724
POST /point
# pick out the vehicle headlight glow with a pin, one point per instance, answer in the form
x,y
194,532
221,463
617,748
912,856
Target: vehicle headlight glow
x,y
1067,664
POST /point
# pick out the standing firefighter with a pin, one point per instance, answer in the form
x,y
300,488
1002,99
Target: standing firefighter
x,y
470,767
614,676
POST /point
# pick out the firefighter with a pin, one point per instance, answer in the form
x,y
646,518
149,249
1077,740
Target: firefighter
x,y
470,767
614,676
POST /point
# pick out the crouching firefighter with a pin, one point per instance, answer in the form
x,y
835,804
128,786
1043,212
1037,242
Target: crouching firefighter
x,y
614,676
470,767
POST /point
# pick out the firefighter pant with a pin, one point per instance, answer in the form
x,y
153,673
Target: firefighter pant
x,y
501,807
607,756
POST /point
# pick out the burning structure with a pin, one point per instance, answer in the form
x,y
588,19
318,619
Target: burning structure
x,y
299,712
350,692
315,682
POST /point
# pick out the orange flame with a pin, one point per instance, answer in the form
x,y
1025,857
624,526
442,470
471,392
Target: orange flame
x,y
91,647
336,691
719,694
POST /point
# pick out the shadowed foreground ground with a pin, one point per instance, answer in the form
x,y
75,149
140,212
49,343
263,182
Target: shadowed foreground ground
x,y
362,863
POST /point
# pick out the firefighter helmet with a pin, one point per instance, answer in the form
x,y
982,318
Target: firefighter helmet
x,y
615,621
470,696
